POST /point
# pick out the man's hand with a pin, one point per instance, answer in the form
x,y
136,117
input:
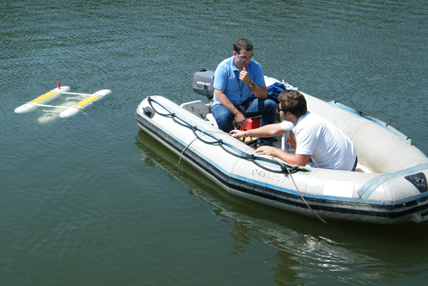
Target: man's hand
x,y
244,76
237,133
260,91
266,150
296,160
240,120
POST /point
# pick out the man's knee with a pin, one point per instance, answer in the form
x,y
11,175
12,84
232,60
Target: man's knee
x,y
270,104
223,117
270,107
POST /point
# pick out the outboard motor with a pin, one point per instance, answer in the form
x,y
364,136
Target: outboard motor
x,y
203,82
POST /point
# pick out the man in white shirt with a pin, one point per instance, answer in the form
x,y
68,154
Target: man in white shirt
x,y
318,140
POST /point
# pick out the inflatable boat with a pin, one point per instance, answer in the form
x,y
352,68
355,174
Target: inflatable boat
x,y
389,187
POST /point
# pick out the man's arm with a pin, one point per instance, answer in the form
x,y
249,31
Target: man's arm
x,y
260,91
296,160
270,130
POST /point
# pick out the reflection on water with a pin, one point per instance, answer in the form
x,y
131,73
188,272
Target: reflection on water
x,y
346,252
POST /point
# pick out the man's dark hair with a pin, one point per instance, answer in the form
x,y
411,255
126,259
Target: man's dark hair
x,y
293,101
242,44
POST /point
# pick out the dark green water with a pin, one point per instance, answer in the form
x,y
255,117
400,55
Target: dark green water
x,y
91,200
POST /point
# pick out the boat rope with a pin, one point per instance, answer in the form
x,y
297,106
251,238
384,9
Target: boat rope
x,y
188,145
97,123
284,168
303,198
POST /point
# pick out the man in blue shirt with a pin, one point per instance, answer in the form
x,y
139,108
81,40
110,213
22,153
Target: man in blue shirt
x,y
235,80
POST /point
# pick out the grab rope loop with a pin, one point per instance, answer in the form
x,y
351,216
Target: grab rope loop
x,y
283,168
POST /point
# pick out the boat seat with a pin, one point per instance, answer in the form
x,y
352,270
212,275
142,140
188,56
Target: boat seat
x,y
197,107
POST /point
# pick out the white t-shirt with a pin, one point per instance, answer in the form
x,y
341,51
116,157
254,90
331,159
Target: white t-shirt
x,y
327,145
287,125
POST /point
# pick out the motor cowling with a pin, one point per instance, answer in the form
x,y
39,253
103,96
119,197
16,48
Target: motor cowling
x,y
203,82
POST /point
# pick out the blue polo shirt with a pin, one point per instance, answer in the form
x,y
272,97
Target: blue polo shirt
x,y
226,78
